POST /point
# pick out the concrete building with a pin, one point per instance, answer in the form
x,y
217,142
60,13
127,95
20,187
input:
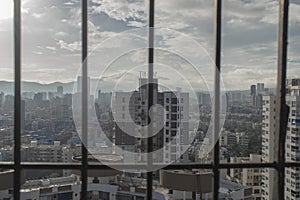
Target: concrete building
x,y
235,174
250,177
54,152
253,94
66,188
231,190
253,90
228,138
292,151
176,135
242,139
260,88
1,99
268,131
204,99
60,91
170,122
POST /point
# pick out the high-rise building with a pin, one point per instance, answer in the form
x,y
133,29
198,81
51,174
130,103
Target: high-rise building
x,y
256,93
1,99
248,176
253,90
252,176
260,88
253,94
8,102
204,99
22,116
176,105
292,152
268,133
60,91
170,124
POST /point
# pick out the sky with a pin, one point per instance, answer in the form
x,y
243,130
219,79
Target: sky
x,y
184,39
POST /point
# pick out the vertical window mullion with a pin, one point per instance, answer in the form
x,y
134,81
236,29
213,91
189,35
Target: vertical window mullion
x,y
84,98
216,106
282,110
150,98
17,99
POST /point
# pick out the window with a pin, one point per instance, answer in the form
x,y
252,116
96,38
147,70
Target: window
x,y
216,166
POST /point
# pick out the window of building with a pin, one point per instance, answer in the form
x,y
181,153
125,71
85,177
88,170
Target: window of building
x,y
215,166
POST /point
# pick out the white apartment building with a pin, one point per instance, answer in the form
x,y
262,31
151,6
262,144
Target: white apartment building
x,y
268,132
292,150
250,177
176,135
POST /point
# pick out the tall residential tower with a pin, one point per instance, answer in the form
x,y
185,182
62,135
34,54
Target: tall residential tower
x,y
292,150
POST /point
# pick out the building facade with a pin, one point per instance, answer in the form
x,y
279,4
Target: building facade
x,y
169,122
292,151
268,133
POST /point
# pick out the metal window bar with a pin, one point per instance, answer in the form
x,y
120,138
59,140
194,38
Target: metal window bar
x,y
216,105
281,108
17,99
150,97
93,166
84,98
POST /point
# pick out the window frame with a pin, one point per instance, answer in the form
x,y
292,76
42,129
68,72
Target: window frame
x,y
84,166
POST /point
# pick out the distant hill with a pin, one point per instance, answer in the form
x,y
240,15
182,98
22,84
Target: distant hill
x,y
8,87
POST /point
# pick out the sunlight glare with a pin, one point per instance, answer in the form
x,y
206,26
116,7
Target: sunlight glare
x,y
6,9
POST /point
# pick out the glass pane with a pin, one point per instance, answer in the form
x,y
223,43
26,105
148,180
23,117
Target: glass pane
x,y
51,57
6,81
241,183
249,68
51,184
118,40
185,184
184,43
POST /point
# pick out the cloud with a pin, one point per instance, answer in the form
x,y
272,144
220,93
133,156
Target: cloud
x,y
37,15
131,12
51,48
38,52
74,46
